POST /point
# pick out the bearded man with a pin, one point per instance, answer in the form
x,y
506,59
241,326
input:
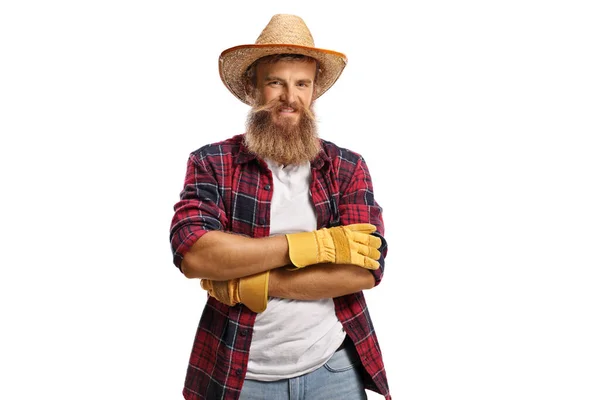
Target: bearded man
x,y
282,229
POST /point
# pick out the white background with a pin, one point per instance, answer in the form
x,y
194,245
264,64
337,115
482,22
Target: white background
x,y
479,121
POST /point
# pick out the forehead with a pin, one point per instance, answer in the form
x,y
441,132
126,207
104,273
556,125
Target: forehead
x,y
304,67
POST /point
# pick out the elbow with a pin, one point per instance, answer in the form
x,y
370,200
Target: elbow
x,y
190,267
368,282
371,282
195,266
199,261
367,279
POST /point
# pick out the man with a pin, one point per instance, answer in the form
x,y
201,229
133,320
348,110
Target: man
x,y
284,233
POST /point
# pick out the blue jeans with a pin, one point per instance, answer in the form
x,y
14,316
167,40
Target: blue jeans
x,y
338,379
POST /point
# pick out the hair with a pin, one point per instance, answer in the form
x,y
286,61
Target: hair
x,y
250,74
285,142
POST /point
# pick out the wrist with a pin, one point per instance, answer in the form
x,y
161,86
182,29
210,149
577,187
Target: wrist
x,y
275,282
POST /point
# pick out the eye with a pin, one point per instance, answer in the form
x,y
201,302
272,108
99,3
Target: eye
x,y
274,83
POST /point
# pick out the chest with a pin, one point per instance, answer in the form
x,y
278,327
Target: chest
x,y
249,193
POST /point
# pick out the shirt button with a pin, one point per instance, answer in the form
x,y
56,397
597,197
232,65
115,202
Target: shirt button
x,y
238,372
243,332
262,221
267,187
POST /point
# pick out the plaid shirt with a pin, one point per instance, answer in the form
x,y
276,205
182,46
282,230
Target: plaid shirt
x,y
228,189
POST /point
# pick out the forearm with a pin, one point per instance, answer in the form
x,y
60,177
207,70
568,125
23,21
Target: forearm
x,y
319,281
223,256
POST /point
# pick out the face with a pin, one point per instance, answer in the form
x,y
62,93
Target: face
x,y
289,83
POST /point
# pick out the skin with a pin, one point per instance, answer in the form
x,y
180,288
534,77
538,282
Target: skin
x,y
319,281
223,256
287,81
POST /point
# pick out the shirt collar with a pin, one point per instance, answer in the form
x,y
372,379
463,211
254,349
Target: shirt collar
x,y
322,159
246,155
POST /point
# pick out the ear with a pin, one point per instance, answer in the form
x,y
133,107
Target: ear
x,y
249,92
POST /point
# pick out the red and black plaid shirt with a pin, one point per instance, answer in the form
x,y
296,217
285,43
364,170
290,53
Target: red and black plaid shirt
x,y
228,189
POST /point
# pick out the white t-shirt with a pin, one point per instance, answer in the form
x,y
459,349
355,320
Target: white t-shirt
x,y
292,337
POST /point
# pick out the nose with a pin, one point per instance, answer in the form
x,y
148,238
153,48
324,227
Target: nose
x,y
288,95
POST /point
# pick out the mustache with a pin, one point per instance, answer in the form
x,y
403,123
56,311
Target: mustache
x,y
275,105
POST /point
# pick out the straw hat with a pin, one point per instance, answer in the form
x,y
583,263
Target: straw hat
x,y
284,34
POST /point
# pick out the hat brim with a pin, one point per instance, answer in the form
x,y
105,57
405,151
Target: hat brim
x,y
234,62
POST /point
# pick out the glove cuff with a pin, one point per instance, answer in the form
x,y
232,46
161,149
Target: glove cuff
x,y
254,291
303,248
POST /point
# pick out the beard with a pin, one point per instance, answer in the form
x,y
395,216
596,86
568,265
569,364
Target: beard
x,y
282,140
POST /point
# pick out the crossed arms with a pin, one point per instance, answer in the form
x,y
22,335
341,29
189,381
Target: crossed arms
x,y
203,249
223,256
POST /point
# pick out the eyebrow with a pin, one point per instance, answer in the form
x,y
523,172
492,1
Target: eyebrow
x,y
276,78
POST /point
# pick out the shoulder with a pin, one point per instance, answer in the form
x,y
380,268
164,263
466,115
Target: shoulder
x,y
341,155
227,148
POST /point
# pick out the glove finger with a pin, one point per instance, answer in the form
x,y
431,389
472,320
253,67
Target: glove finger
x,y
368,251
206,284
371,264
367,262
366,239
221,292
364,228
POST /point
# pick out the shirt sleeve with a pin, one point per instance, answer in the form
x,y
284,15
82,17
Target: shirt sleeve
x,y
200,208
358,205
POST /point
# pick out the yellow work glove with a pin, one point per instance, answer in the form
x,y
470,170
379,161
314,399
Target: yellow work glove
x,y
251,290
350,244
